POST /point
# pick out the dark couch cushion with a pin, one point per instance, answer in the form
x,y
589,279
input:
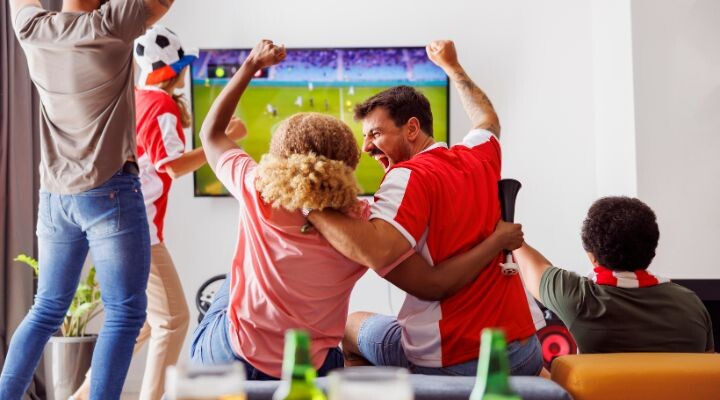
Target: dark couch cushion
x,y
429,387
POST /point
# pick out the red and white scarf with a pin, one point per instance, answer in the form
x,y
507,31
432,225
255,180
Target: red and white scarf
x,y
625,279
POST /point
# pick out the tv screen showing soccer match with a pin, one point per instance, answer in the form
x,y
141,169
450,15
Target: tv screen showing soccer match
x,y
329,81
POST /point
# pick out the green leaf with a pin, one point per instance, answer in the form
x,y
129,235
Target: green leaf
x,y
83,293
85,305
90,280
31,262
83,309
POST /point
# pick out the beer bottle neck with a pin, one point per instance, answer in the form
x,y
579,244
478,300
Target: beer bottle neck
x,y
493,375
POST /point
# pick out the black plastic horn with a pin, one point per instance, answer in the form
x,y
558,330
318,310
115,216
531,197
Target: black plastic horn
x,y
508,190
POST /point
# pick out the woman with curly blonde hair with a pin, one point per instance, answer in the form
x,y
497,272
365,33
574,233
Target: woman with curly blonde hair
x,y
284,276
311,165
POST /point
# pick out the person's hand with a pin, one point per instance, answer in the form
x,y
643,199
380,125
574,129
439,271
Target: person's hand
x,y
236,129
442,53
265,54
509,235
359,210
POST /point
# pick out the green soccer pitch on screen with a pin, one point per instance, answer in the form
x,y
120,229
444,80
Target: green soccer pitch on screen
x,y
330,81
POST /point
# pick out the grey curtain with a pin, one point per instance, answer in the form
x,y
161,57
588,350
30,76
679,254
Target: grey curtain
x,y
18,182
19,159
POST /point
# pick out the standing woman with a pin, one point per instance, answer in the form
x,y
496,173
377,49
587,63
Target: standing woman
x,y
161,116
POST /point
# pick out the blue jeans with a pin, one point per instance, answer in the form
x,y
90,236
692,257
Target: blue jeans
x,y
379,342
211,345
109,221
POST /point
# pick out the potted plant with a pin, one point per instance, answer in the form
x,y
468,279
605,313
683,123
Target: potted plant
x,y
68,354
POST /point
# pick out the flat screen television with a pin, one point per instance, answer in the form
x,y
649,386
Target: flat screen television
x,y
327,80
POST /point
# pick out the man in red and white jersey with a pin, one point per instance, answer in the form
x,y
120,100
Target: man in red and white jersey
x,y
439,202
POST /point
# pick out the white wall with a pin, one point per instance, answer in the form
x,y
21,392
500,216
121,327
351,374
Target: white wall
x,y
615,162
677,92
534,59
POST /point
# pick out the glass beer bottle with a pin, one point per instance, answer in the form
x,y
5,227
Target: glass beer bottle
x,y
298,372
493,371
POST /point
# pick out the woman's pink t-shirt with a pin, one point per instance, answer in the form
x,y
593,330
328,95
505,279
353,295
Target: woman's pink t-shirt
x,y
281,278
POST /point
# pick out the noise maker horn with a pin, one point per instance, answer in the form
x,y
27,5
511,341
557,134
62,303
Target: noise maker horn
x,y
508,190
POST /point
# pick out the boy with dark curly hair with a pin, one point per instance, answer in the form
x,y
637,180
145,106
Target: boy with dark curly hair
x,y
620,307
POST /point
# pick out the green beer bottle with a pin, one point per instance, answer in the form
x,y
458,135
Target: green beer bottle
x,y
298,372
493,370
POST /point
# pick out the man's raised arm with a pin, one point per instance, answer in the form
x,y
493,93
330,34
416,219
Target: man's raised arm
x,y
476,103
156,9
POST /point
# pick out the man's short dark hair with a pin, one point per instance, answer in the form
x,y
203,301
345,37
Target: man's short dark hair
x,y
401,103
621,232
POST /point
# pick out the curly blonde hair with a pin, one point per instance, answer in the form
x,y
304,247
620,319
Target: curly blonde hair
x,y
311,164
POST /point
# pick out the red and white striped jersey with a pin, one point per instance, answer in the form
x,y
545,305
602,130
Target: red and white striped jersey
x,y
445,201
160,139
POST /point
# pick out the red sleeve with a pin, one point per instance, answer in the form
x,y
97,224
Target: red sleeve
x,y
403,202
162,137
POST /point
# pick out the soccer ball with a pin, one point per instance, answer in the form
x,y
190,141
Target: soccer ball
x,y
157,48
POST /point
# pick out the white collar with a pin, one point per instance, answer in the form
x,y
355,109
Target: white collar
x,y
435,146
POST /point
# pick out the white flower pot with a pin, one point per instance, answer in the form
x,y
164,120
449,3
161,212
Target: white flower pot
x,y
67,359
